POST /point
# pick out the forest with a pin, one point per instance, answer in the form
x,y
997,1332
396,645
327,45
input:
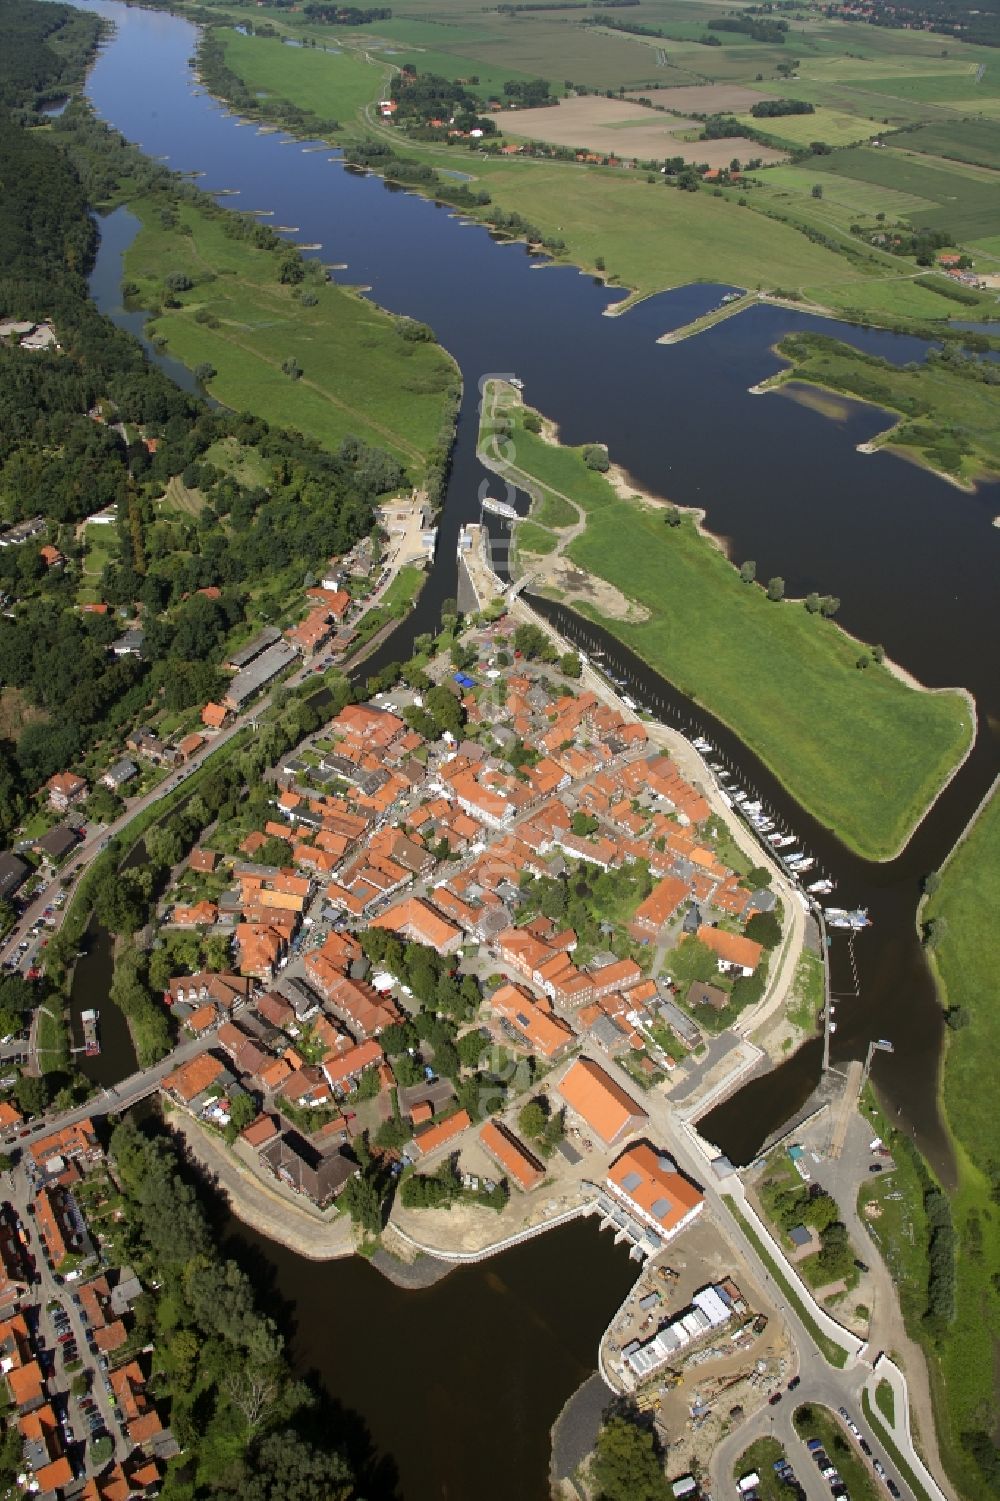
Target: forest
x,y
247,1427
74,425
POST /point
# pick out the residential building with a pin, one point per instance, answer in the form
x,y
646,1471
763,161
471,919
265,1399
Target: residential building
x,y
439,1135
532,1023
64,790
733,950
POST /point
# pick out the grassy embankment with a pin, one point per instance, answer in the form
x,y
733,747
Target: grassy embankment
x,y
948,420
359,376
861,750
832,1353
966,961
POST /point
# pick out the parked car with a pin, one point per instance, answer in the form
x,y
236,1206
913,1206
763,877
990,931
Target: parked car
x,y
812,1444
879,1468
891,1486
795,1381
876,1167
865,1446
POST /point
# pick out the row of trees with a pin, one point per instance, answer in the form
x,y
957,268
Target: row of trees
x,y
246,1426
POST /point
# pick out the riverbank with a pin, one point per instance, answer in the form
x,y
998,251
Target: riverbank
x,y
268,333
864,753
960,914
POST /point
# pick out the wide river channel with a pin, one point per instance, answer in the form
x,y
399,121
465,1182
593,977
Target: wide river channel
x,y
913,560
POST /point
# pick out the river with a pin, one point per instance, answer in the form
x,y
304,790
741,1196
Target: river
x,y
913,560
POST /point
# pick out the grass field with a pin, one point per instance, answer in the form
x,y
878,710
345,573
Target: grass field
x,y
948,421
359,376
332,85
976,141
964,206
863,752
829,125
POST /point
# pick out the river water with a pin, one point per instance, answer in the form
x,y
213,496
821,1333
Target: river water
x,y
914,561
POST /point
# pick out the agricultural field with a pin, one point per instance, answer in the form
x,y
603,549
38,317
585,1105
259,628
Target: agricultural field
x,y
963,205
854,200
334,85
858,76
975,141
623,128
772,671
357,374
829,125
704,99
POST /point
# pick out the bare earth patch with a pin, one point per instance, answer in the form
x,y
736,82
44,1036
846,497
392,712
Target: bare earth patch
x,y
577,587
16,712
625,129
704,98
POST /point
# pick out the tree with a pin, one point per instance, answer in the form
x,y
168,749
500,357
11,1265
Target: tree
x,y
878,653
817,190
532,1119
253,1391
829,606
864,661
764,928
242,1111
583,824
672,516
935,928
776,588
291,368
748,571
205,371
362,1198
275,852
931,882
595,456
569,665
532,421
626,1465
813,603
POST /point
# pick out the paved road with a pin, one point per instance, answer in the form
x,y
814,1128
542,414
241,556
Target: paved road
x,y
118,1097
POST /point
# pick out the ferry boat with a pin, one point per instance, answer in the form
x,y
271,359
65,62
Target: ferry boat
x,y
839,917
91,1041
499,508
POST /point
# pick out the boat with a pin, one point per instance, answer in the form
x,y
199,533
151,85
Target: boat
x,y
784,841
629,703
840,917
499,508
801,866
775,839
91,1041
701,744
821,887
738,796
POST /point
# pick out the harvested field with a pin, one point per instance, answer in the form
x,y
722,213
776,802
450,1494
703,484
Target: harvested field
x,y
704,98
622,128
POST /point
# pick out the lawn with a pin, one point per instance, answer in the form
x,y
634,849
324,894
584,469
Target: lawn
x,y
948,420
856,200
832,1353
360,377
892,298
806,1000
332,85
404,589
761,1457
861,750
537,539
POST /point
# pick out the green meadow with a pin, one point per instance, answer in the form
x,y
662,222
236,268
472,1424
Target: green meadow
x,y
359,376
864,752
333,85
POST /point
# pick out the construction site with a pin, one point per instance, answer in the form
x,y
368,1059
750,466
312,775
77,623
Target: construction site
x,y
696,1344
